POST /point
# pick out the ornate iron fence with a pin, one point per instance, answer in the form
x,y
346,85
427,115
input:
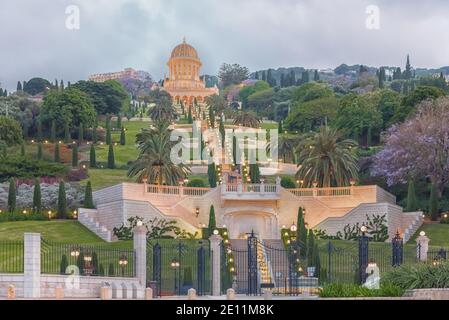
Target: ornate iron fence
x,y
175,266
90,260
11,256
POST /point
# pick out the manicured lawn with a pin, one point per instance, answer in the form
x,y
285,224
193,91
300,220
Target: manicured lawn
x,y
59,231
102,178
437,233
268,126
126,153
62,231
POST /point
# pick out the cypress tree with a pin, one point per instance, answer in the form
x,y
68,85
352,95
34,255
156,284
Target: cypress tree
x,y
122,137
316,76
212,117
12,196
19,86
94,263
39,129
316,261
212,222
234,149
61,85
212,175
189,116
222,131
254,173
53,131
280,129
75,155
94,134
369,137
57,157
111,160
64,264
37,197
111,271
119,121
101,270
301,235
80,263
67,136
310,248
62,202
93,157
108,131
433,203
88,199
412,202
39,151
81,133
22,149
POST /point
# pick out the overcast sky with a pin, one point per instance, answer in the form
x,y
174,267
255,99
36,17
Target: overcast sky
x,y
259,34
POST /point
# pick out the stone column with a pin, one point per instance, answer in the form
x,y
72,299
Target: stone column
x,y
32,266
278,185
140,249
215,242
422,247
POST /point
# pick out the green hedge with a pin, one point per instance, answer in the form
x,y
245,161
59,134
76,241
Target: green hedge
x,y
338,290
20,216
24,168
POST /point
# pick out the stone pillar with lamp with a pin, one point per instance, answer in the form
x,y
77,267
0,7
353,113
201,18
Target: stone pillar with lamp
x,y
140,246
422,246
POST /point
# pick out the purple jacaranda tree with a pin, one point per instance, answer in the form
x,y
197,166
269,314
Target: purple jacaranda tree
x,y
418,148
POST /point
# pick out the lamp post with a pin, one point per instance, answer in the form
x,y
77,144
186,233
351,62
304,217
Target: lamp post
x,y
74,253
88,268
175,266
123,262
363,254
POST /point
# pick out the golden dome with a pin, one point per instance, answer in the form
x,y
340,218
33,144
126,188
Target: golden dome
x,y
184,50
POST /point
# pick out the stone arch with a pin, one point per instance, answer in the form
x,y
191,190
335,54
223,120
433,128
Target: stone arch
x,y
242,220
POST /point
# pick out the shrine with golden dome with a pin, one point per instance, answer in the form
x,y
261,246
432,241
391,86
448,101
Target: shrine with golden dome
x,y
184,83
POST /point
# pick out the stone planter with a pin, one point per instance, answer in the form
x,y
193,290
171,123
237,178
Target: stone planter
x,y
428,294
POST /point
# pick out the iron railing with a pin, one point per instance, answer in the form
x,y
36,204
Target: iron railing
x,y
95,260
175,266
11,256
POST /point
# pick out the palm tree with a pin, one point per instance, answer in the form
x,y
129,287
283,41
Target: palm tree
x,y
162,112
285,147
154,162
327,160
217,103
247,119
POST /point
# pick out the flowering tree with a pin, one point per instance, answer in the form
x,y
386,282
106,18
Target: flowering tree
x,y
418,147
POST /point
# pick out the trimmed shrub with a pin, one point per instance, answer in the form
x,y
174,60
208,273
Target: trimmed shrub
x,y
12,195
75,156
37,197
64,264
212,221
57,156
62,202
92,157
88,199
196,183
10,131
122,137
111,159
287,183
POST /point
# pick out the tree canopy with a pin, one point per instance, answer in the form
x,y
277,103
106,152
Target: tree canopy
x,y
70,106
108,97
232,74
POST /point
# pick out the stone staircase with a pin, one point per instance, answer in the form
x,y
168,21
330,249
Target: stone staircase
x,y
265,274
412,228
89,219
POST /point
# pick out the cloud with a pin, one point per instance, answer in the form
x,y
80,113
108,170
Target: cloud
x,y
115,34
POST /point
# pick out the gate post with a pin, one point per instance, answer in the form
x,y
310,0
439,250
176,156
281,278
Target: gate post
x,y
398,252
140,251
32,266
363,255
157,270
201,272
252,265
215,241
423,246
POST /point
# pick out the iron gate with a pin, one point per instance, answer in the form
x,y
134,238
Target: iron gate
x,y
175,266
251,265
